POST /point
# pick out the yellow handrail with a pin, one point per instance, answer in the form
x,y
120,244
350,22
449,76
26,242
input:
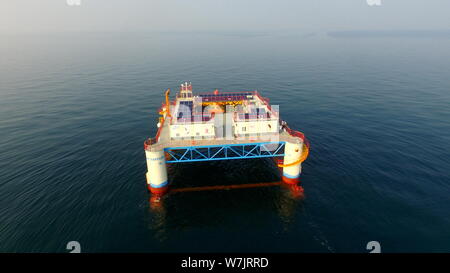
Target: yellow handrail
x,y
302,158
167,102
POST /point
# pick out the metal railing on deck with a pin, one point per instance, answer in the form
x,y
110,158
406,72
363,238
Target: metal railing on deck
x,y
149,142
298,134
152,141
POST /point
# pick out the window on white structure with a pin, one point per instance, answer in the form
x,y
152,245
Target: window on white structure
x,y
243,129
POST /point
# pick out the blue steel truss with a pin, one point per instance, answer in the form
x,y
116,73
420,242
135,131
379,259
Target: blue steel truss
x,y
224,152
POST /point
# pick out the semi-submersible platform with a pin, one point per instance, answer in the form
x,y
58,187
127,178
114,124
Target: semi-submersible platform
x,y
221,126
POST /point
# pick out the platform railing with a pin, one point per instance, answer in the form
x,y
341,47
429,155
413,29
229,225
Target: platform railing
x,y
298,134
149,142
172,103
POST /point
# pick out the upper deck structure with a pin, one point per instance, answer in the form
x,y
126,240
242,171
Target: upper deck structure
x,y
220,126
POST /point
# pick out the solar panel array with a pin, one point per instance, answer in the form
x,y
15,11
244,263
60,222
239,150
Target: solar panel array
x,y
181,116
255,113
226,97
194,118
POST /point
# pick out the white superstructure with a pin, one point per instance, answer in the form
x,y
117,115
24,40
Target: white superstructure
x,y
219,115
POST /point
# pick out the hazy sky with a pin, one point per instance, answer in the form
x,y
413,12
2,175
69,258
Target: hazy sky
x,y
221,15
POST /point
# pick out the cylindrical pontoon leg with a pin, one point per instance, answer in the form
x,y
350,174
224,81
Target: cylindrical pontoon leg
x,y
292,153
157,181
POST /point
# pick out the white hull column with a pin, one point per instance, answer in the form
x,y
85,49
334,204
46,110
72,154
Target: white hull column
x,y
292,154
157,181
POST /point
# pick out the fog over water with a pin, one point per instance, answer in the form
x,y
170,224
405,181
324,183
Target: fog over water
x,y
222,15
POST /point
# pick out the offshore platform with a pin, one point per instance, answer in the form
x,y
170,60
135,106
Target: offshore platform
x,y
221,126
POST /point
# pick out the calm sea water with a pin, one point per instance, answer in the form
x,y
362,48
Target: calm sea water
x,y
76,108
